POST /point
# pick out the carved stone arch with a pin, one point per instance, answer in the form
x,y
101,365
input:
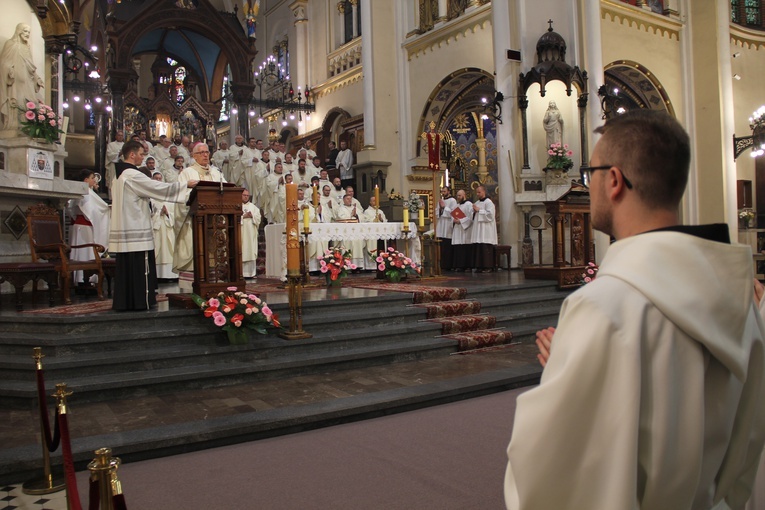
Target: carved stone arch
x,y
204,20
638,86
332,120
448,94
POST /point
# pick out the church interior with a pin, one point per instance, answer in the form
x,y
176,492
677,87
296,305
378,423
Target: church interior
x,y
395,398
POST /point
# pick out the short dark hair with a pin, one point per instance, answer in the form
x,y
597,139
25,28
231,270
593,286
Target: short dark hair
x,y
654,152
85,173
131,146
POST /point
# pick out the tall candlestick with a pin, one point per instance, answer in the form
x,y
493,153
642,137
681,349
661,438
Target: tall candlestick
x,y
306,220
406,216
421,217
293,237
315,195
377,196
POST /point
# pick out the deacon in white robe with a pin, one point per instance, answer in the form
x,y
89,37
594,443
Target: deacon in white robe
x,y
161,151
344,162
373,246
288,164
91,223
236,153
250,223
185,151
172,168
162,218
445,226
276,195
337,191
348,212
183,261
462,249
302,175
263,169
484,235
250,157
222,160
113,151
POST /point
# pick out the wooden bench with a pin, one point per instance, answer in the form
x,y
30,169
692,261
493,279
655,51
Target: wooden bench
x,y
19,274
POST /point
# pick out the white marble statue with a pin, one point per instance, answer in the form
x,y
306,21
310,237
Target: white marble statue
x,y
553,123
19,81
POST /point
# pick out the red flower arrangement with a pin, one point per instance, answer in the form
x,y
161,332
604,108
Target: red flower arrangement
x,y
396,265
335,264
232,311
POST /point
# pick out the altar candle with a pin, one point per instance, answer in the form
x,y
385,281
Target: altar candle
x,y
406,216
446,180
421,217
315,195
377,196
306,220
293,237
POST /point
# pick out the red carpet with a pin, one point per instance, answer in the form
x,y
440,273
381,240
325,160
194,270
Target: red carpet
x,y
480,339
465,323
451,308
420,293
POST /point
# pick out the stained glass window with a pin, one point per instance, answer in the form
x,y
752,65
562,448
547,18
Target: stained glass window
x,y
752,12
734,11
180,87
225,106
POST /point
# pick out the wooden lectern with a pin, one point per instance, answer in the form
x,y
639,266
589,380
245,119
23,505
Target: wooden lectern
x,y
216,211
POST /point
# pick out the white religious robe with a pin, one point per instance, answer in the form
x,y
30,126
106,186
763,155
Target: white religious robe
x,y
113,152
93,209
303,180
327,211
289,168
248,161
183,151
276,198
310,154
250,240
344,163
183,259
169,172
259,195
445,222
160,154
370,254
652,395
162,219
221,159
338,194
357,246
236,168
484,223
462,231
323,182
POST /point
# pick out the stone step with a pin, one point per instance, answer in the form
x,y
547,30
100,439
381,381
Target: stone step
x,y
98,388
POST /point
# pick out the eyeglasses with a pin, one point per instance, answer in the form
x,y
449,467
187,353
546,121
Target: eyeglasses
x,y
586,174
201,152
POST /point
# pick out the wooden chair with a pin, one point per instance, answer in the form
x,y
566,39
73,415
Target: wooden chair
x,y
46,242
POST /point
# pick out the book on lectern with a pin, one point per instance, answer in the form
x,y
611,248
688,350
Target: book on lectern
x,y
457,214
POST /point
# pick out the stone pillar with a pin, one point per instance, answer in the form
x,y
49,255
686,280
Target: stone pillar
x,y
355,16
483,172
242,94
368,83
443,10
300,60
118,80
99,109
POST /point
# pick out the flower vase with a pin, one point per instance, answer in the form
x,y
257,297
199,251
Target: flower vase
x,y
394,276
333,283
237,336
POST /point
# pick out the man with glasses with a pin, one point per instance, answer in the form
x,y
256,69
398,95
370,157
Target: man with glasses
x,y
199,170
652,391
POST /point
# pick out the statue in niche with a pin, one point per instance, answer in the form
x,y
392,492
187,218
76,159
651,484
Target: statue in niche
x,y
19,81
553,124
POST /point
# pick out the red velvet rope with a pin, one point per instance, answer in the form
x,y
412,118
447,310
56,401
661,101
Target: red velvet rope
x,y
42,402
94,494
119,502
71,481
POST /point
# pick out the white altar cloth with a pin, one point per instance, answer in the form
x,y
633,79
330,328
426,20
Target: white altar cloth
x,y
276,247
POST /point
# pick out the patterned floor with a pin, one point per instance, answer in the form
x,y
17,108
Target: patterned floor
x,y
11,498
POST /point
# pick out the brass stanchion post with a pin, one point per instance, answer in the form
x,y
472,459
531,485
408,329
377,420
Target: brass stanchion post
x,y
103,469
48,484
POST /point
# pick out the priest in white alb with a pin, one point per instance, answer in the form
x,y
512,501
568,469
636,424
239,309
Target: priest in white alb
x,y
162,219
445,226
113,152
276,195
462,249
250,223
373,246
349,213
222,160
484,235
91,222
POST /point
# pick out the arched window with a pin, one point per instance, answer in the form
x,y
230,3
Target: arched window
x,y
747,13
225,105
180,87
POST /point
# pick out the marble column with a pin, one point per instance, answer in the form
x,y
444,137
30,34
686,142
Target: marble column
x,y
299,72
355,16
368,83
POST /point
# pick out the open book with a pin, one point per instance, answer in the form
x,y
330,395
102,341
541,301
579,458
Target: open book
x,y
457,214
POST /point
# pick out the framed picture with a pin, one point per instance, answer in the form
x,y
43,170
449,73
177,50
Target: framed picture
x,y
427,202
39,164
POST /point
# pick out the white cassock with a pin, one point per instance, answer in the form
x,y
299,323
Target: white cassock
x,y
357,246
183,259
323,182
344,162
235,162
310,154
304,180
260,171
88,209
160,154
248,161
652,394
221,159
369,217
113,151
275,155
183,151
462,232
289,168
445,222
484,223
250,240
169,172
162,219
276,198
337,194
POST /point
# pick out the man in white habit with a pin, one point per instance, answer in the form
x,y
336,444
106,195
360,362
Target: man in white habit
x,y
184,150
236,153
200,170
344,162
172,167
288,164
484,235
263,169
462,233
162,219
91,223
250,158
131,238
161,151
250,223
222,159
338,192
445,226
113,153
354,200
654,379
373,246
276,195
310,153
323,176
349,212
302,175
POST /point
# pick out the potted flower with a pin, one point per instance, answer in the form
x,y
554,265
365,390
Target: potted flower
x,y
40,121
747,217
559,157
234,312
335,264
396,265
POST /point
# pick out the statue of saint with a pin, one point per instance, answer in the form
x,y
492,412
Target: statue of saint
x,y
553,123
19,81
